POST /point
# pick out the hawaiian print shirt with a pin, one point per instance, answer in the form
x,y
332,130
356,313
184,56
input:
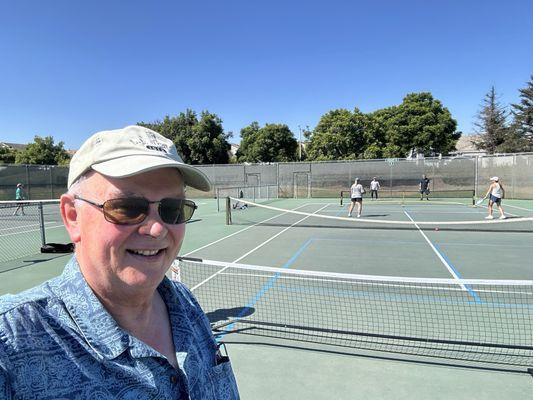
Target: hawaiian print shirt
x,y
57,341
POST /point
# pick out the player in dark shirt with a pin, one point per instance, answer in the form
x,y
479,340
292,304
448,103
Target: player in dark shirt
x,y
424,187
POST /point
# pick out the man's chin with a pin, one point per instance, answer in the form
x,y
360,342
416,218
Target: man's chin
x,y
143,275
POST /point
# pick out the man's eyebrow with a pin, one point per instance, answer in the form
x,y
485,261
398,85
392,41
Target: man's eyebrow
x,y
120,193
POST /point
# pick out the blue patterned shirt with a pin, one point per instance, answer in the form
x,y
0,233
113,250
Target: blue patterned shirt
x,y
57,341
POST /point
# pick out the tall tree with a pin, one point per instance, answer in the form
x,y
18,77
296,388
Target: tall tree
x,y
376,133
271,143
492,124
421,123
208,142
338,135
198,141
43,151
523,115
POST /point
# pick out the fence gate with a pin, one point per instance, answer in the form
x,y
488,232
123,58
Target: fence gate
x,y
302,185
253,179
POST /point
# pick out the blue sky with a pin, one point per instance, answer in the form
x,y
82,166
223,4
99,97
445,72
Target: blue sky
x,y
71,68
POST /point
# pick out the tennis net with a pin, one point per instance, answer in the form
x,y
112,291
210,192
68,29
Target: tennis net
x,y
464,197
485,323
251,193
418,216
24,226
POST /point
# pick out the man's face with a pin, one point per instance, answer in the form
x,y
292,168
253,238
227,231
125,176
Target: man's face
x,y
127,257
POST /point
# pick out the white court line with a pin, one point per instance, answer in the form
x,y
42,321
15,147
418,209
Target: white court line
x,y
377,210
30,231
235,233
519,208
439,255
254,249
494,208
19,227
276,235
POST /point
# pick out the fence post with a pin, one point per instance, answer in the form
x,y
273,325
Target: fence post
x,y
51,167
28,185
476,172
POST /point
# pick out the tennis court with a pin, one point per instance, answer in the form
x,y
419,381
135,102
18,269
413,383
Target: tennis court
x,y
318,334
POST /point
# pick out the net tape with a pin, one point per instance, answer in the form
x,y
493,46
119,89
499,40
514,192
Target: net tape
x,y
383,221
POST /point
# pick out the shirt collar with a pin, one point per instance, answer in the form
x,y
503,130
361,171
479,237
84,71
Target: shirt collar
x,y
99,328
96,325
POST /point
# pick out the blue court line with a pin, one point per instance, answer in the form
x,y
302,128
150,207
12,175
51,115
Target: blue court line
x,y
405,299
441,253
343,209
472,292
380,241
264,289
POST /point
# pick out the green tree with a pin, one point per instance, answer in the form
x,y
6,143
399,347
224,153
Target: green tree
x,y
338,135
492,124
376,132
421,123
43,151
208,142
7,155
271,143
198,141
523,117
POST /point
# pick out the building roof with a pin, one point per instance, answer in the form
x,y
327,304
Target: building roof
x,y
14,146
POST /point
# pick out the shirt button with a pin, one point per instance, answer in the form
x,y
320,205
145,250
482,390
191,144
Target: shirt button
x,y
174,379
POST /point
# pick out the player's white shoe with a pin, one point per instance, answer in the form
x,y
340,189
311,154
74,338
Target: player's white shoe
x,y
503,216
489,217
358,215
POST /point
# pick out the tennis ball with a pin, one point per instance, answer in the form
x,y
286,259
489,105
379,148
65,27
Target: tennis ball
x,y
436,229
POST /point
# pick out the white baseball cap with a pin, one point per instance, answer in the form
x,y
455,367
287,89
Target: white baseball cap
x,y
130,151
494,178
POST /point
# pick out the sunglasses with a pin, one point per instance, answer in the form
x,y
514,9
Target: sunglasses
x,y
134,210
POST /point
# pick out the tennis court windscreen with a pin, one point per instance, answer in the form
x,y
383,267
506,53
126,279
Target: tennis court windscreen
x,y
470,322
376,216
26,225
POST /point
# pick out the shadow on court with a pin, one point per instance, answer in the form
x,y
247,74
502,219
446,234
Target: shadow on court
x,y
229,314
27,262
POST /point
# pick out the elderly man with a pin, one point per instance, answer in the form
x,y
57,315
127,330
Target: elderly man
x,y
112,326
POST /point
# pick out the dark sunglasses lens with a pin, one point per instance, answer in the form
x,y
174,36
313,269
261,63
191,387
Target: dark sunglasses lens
x,y
127,211
176,211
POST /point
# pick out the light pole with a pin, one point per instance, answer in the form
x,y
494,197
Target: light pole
x,y
300,144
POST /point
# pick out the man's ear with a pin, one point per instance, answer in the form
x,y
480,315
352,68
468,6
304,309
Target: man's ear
x,y
70,216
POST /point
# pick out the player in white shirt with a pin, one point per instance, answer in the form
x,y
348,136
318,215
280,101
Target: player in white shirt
x,y
374,187
495,194
356,194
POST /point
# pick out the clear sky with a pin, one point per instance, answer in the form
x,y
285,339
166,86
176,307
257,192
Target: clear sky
x,y
71,68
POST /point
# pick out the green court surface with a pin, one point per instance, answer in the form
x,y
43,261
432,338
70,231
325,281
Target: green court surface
x,y
268,368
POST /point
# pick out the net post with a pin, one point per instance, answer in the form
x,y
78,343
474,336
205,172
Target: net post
x,y
228,211
342,194
175,271
41,224
217,194
473,197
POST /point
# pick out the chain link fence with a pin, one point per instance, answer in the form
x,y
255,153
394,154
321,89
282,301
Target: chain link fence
x,y
319,179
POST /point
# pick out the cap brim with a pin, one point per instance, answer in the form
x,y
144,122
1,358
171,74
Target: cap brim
x,y
133,165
